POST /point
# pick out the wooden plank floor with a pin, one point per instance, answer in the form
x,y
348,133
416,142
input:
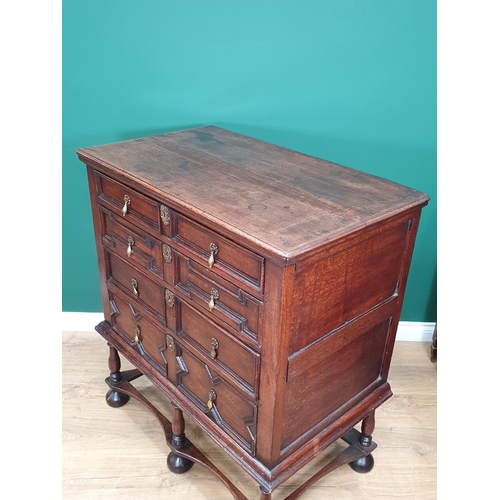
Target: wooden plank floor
x,y
121,453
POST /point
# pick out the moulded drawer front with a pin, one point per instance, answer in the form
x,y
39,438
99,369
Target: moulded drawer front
x,y
145,291
220,300
131,243
219,254
236,415
231,355
128,320
132,205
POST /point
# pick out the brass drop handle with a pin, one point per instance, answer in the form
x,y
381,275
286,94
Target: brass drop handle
x,y
214,295
130,245
134,287
137,332
214,250
211,398
215,346
126,201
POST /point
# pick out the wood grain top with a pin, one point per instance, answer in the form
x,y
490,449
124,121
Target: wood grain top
x,y
284,201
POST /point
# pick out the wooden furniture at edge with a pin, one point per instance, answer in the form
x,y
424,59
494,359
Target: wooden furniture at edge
x,y
259,288
433,349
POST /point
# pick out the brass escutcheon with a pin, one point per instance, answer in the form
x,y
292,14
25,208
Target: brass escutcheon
x,y
169,298
167,253
214,250
126,201
215,346
170,343
214,295
165,215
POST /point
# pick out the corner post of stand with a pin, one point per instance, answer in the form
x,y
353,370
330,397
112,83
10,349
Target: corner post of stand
x,y
114,398
176,463
365,464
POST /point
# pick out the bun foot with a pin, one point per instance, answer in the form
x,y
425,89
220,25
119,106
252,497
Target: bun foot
x,y
363,465
116,399
177,464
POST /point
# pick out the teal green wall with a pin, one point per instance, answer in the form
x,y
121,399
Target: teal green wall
x,y
350,81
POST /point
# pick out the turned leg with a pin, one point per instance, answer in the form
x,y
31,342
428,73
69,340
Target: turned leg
x,y
176,463
114,398
365,464
264,494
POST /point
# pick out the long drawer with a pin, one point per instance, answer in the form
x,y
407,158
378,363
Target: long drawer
x,y
215,252
223,302
201,384
228,354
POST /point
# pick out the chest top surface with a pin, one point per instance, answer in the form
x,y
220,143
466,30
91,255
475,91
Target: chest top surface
x,y
284,201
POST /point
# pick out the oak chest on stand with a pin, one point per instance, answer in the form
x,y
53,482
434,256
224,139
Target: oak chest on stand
x,y
258,288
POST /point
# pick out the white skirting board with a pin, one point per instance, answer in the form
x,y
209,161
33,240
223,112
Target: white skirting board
x,y
413,331
80,321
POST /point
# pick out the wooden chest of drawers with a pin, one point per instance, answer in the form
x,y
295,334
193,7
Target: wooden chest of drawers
x,y
260,289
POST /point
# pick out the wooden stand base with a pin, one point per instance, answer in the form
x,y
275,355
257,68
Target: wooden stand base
x,y
184,454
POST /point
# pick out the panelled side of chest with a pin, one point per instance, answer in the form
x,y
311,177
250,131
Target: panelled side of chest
x,y
341,307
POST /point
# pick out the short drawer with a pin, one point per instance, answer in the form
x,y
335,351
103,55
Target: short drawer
x,y
232,411
131,243
220,300
140,288
227,353
130,204
215,252
129,322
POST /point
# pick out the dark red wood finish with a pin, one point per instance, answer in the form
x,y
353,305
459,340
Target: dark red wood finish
x,y
260,289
